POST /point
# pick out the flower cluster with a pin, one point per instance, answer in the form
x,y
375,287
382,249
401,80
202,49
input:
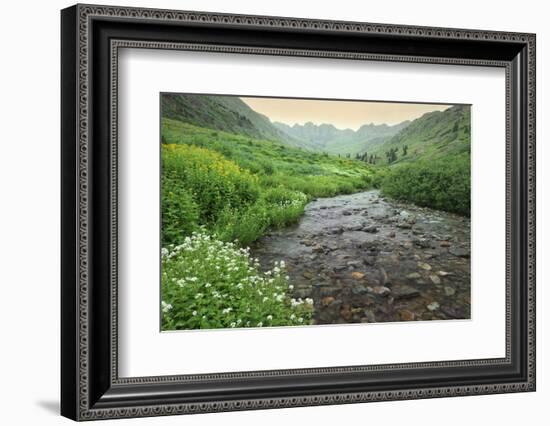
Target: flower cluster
x,y
207,283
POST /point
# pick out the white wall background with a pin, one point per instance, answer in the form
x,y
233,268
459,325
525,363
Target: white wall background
x,y
29,212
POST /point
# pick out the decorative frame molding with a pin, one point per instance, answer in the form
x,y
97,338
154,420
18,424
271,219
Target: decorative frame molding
x,y
91,37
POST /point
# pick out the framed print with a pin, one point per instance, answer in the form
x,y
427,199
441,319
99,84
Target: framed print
x,y
263,212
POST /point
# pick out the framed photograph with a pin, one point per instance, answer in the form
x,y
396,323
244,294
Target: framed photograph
x,y
264,212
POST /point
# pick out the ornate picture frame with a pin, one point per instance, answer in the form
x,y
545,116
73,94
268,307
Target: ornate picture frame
x,y
91,38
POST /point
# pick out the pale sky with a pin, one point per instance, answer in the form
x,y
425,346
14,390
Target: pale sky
x,y
341,114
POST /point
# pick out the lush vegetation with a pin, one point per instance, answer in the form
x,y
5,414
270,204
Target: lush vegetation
x,y
429,161
210,284
435,135
229,176
220,192
442,184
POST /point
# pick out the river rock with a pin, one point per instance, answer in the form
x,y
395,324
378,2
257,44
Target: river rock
x,y
318,248
422,242
369,260
459,251
357,275
308,275
325,301
384,279
330,312
425,266
413,276
435,279
359,290
346,313
406,315
354,263
371,229
369,316
443,273
449,291
381,290
434,306
445,244
404,292
325,291
453,313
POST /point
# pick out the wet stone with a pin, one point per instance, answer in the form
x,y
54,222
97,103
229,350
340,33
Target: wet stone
x,y
359,290
404,292
434,306
459,252
422,242
406,315
435,279
381,290
425,266
413,276
371,229
449,291
354,263
357,275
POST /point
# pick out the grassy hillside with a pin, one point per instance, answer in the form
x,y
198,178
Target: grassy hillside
x,y
435,135
239,186
225,113
429,161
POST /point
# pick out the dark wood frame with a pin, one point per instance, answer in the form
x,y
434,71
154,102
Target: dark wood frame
x,y
91,37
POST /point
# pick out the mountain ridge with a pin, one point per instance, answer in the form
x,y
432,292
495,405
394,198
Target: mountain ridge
x,y
328,138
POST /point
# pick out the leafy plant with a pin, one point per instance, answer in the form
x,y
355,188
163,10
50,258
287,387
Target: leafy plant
x,y
207,283
442,184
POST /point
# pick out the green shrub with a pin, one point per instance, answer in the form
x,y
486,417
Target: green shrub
x,y
283,206
214,181
244,225
207,283
440,184
180,213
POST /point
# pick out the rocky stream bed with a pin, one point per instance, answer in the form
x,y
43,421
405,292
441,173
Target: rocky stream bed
x,y
364,258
